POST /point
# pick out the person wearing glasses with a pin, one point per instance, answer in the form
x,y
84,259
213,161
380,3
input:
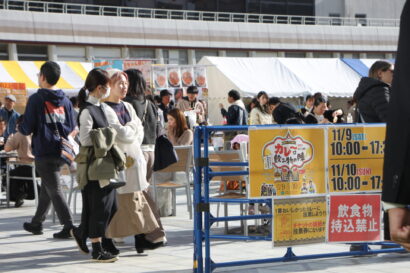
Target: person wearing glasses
x,y
373,93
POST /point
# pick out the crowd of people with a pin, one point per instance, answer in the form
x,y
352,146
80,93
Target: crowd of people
x,y
115,123
263,110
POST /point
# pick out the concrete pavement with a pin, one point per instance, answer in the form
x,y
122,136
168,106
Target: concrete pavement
x,y
23,252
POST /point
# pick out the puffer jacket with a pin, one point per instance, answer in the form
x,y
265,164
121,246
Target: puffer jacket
x,y
372,98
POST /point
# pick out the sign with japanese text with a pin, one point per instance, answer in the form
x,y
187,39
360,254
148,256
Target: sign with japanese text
x,y
286,162
299,221
354,218
355,158
142,65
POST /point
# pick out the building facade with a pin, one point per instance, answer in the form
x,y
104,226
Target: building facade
x,y
83,33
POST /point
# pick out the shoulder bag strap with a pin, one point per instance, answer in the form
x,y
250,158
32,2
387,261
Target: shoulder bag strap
x,y
52,121
145,112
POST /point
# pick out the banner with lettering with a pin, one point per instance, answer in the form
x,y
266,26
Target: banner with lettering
x,y
142,65
354,218
355,158
286,162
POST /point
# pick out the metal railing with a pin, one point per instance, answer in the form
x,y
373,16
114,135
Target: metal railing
x,y
85,9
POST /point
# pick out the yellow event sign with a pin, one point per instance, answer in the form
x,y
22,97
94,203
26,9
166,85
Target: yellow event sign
x,y
286,162
355,158
299,221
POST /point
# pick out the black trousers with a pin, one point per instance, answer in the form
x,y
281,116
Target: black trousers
x,y
99,206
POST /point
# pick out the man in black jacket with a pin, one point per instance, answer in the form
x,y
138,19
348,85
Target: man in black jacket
x,y
396,173
282,112
236,114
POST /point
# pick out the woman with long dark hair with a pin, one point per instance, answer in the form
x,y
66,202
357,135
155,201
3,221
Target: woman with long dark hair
x,y
99,198
147,112
260,113
178,131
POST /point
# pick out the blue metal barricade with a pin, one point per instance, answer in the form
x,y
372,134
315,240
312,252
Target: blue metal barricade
x,y
203,219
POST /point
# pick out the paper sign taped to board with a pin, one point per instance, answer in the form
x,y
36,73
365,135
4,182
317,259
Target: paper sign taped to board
x,y
299,221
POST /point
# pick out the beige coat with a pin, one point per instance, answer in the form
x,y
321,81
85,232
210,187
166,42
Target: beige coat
x,y
134,214
257,117
185,139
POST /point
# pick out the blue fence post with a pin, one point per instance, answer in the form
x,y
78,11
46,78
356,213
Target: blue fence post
x,y
198,234
206,201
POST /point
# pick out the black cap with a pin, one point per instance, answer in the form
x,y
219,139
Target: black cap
x,y
192,90
164,93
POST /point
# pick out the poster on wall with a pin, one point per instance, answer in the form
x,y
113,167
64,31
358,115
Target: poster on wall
x,y
354,218
142,65
355,158
200,76
174,78
299,221
160,77
286,162
187,77
18,90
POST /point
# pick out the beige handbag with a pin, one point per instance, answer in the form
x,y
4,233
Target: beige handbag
x,y
134,216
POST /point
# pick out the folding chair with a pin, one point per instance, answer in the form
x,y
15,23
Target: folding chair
x,y
184,164
33,177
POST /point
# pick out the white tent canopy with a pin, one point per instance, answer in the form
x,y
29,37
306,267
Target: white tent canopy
x,y
279,77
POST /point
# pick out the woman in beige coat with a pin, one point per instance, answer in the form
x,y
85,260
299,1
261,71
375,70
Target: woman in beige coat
x,y
134,215
260,114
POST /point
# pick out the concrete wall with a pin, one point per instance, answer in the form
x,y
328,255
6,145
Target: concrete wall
x,y
20,26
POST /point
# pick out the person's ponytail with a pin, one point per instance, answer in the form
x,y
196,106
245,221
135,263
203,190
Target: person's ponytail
x,y
82,98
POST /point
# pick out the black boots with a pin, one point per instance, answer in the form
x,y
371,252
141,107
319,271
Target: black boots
x,y
108,246
101,256
141,243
